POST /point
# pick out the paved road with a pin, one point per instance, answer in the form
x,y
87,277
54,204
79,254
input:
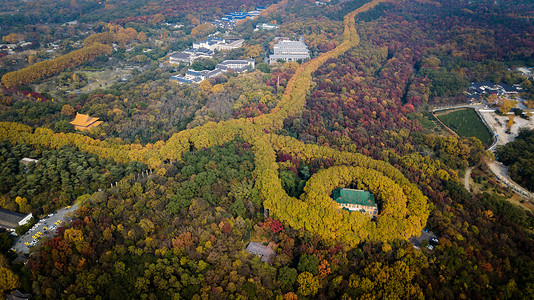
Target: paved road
x,y
501,172
425,235
466,178
47,222
477,106
499,131
496,167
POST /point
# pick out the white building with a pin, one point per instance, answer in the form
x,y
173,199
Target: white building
x,y
289,51
236,65
266,26
10,220
192,76
190,55
213,43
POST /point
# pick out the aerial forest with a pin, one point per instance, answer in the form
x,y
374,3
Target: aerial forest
x,y
179,179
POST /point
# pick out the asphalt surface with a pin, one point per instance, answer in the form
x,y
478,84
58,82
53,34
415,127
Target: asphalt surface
x,y
498,168
425,235
50,222
500,171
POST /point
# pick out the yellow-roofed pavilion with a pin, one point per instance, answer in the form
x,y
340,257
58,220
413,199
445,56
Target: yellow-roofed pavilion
x,y
85,122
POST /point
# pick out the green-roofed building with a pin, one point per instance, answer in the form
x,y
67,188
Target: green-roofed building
x,y
356,200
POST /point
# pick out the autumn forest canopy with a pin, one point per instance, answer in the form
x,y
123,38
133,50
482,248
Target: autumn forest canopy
x,y
178,179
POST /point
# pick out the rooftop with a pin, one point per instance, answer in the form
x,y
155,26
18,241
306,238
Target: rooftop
x,y
10,219
27,161
265,252
83,122
351,196
180,55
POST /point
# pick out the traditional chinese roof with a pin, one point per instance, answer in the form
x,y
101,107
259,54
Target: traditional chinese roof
x,y
84,122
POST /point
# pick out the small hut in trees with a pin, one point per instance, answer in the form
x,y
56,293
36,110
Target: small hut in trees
x,y
85,122
356,200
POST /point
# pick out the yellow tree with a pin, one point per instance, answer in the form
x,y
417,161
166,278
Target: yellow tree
x,y
217,88
8,279
12,38
254,51
308,284
158,18
141,37
205,87
203,30
506,105
23,204
510,122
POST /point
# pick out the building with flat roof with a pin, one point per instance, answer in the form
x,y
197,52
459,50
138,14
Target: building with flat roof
x,y
11,219
192,76
190,55
266,26
265,252
236,65
85,122
219,44
289,51
356,200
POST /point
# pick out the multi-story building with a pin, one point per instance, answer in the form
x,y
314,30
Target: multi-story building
x,y
192,76
356,200
236,65
289,51
213,43
190,55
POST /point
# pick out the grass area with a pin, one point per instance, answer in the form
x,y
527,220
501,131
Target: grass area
x,y
96,80
466,123
480,182
428,122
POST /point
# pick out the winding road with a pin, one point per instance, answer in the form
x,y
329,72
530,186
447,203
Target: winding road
x,y
501,138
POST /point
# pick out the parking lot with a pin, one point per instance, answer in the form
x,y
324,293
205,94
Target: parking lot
x,y
46,227
426,235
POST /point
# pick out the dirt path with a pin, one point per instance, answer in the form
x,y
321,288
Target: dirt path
x,y
466,178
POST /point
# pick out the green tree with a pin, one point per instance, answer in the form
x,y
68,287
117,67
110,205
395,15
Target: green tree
x,y
238,208
308,263
287,277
